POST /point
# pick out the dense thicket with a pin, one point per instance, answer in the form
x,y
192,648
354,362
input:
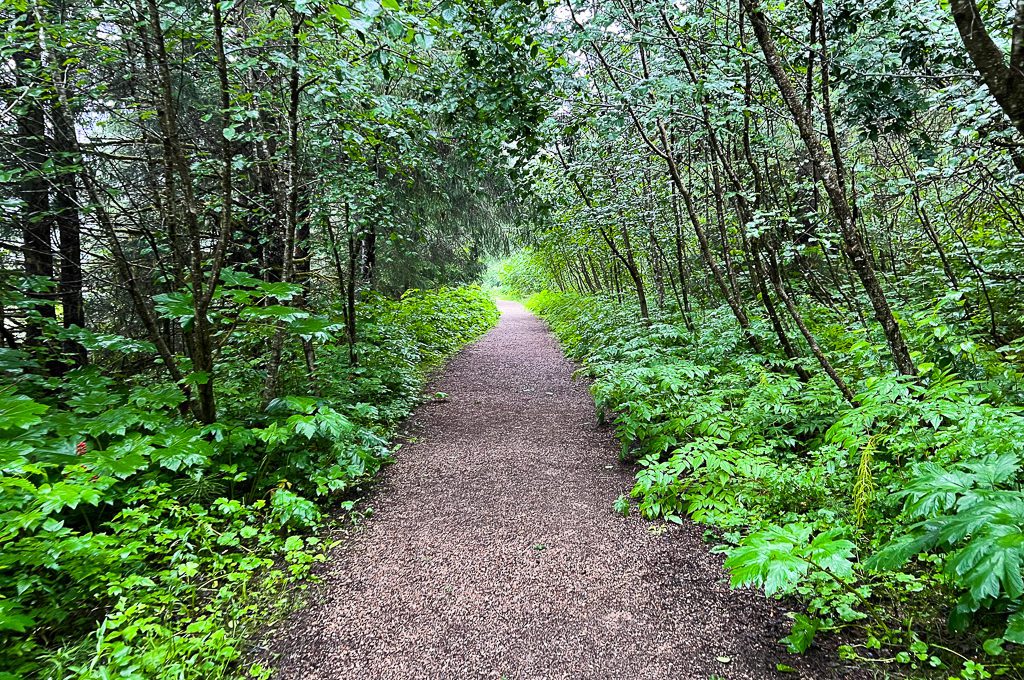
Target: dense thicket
x,y
797,231
216,221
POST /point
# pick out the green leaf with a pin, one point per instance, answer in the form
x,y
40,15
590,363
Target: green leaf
x,y
896,553
196,378
275,312
340,12
182,447
315,327
306,405
778,558
232,277
59,495
831,553
279,290
1015,628
14,456
121,459
782,571
993,646
802,635
772,566
176,306
13,618
17,410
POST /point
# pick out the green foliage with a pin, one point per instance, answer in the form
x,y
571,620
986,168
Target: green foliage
x,y
857,509
973,512
520,275
443,319
778,558
138,544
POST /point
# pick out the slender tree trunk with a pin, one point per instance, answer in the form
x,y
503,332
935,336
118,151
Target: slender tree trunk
x,y
33,190
831,178
812,342
680,252
1004,82
291,203
69,234
350,293
65,200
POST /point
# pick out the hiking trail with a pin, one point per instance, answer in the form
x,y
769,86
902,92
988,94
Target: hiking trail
x,y
494,552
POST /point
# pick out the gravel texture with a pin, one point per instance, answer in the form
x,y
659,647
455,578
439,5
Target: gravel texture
x,y
494,552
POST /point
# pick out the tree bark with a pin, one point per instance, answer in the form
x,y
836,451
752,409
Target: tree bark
x,y
65,199
33,190
830,178
1005,83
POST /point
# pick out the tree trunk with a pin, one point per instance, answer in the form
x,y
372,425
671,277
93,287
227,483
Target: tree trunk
x,y
65,200
33,190
1005,83
350,293
833,183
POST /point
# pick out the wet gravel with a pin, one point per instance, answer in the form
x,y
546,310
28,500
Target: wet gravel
x,y
494,551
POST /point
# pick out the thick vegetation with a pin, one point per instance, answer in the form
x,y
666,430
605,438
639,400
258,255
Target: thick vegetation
x,y
227,232
139,543
785,240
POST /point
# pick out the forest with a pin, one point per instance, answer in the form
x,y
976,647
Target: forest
x,y
783,241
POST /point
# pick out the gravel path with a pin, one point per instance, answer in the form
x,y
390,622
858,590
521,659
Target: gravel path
x,y
494,553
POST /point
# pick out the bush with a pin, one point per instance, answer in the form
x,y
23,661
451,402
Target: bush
x,y
918,487
137,544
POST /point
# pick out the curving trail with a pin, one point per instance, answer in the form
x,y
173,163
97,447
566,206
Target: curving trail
x,y
494,552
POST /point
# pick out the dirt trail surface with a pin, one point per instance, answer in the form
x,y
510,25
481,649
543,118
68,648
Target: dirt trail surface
x,y
494,552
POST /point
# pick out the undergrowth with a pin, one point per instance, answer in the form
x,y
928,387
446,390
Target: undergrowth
x,y
135,543
899,518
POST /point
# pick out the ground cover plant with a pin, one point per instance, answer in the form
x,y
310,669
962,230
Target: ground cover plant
x,y
897,516
137,543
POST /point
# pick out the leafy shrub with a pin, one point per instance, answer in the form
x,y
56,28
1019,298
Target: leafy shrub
x,y
135,543
855,508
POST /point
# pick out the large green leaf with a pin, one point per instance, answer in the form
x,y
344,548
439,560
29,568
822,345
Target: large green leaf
x,y
121,459
802,635
1015,628
179,307
14,618
779,557
17,410
181,447
275,313
59,495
